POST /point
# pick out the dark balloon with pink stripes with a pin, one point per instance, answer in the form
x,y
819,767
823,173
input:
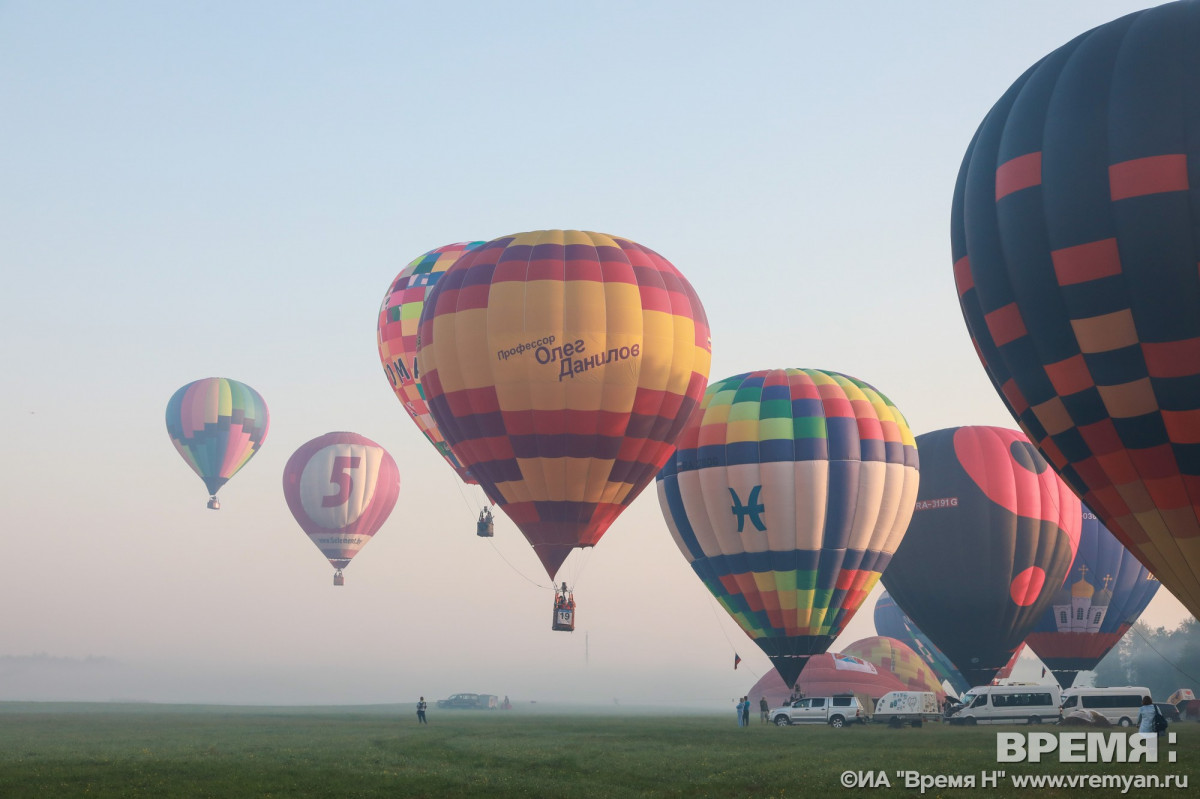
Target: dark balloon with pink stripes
x,y
1074,239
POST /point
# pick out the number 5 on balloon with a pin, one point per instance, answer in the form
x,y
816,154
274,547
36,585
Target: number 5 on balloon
x,y
340,477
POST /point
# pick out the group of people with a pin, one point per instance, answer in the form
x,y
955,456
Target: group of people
x,y
743,711
564,599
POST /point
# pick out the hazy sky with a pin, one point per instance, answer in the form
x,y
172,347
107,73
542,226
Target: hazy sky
x,y
228,189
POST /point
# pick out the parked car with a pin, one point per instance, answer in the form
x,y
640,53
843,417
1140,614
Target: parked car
x,y
469,702
1169,711
836,711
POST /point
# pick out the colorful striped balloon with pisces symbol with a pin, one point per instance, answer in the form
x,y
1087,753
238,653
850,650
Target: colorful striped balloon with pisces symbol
x,y
788,494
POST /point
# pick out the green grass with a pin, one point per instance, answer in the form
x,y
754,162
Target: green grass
x,y
58,750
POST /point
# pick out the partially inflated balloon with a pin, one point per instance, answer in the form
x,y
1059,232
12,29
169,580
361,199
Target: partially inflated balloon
x,y
397,339
217,425
341,487
560,366
830,674
892,622
1074,239
894,656
788,494
990,542
1106,591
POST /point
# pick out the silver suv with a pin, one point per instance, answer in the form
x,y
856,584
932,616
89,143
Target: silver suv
x,y
836,711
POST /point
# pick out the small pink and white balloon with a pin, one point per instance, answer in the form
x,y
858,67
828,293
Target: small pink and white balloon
x,y
341,487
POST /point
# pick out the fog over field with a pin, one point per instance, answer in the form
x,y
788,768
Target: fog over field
x,y
229,189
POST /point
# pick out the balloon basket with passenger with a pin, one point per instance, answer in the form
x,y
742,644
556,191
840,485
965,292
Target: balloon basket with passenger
x,y
214,503
485,527
564,610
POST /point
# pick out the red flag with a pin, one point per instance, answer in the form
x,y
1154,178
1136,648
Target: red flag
x,y
736,660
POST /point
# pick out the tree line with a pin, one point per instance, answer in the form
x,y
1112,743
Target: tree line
x,y
1160,659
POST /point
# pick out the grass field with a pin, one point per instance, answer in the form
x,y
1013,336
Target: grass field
x,y
66,750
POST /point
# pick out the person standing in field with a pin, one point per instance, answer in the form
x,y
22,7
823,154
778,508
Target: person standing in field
x,y
1146,716
421,705
745,711
737,711
763,710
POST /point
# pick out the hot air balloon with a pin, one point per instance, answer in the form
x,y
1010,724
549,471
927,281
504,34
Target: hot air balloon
x,y
830,674
891,621
560,366
399,316
894,657
990,542
341,487
789,492
217,424
1105,592
1075,250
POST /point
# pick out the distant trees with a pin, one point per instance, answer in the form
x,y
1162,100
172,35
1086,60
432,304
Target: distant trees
x,y
1160,659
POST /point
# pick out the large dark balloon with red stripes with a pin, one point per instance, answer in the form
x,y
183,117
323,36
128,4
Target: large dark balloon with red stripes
x,y
1074,236
990,542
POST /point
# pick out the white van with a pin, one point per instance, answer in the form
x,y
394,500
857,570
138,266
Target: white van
x,y
897,708
1009,704
1120,705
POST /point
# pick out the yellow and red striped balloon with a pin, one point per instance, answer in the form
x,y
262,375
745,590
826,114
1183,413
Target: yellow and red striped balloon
x,y
560,365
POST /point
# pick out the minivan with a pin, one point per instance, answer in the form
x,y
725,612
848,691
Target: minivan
x,y
1009,704
1120,705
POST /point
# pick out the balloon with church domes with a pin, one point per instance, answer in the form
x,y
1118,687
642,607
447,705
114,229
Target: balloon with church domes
x,y
1104,594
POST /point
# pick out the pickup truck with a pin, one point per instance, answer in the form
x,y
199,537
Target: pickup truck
x,y
468,702
836,711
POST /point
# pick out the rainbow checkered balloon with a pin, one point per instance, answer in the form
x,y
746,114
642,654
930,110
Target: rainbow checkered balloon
x,y
397,339
788,494
896,657
216,425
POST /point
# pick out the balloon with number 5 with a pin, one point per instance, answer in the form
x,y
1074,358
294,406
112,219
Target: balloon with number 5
x,y
341,487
